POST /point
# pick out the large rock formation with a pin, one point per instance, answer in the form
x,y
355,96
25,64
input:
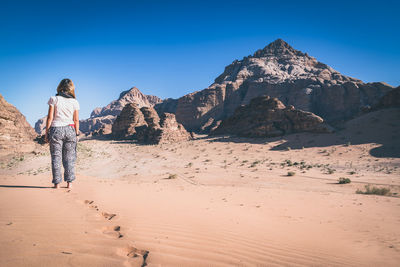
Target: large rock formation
x,y
101,119
280,71
126,122
147,127
267,117
16,135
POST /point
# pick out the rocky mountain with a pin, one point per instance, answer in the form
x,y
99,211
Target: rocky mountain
x,y
267,117
132,95
102,118
280,71
145,126
16,135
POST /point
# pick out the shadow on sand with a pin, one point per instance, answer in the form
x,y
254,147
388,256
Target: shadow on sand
x,y
25,186
381,127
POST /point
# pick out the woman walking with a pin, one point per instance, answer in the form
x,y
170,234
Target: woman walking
x,y
62,129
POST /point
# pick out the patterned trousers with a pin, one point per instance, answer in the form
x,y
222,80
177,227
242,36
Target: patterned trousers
x,y
63,149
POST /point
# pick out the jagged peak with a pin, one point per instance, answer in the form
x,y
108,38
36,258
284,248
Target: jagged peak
x,y
279,44
133,90
277,47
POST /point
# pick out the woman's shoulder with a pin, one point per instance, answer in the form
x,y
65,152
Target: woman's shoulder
x,y
52,100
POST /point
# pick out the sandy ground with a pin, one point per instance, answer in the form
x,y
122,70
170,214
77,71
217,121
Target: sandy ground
x,y
211,202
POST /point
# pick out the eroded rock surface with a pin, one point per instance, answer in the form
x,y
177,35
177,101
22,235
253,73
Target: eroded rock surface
x,y
266,117
390,99
16,135
126,122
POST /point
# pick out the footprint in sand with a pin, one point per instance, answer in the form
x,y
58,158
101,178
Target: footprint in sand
x,y
133,252
113,231
108,216
90,202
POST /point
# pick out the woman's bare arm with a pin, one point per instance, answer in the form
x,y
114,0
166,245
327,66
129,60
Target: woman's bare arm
x,y
50,117
76,121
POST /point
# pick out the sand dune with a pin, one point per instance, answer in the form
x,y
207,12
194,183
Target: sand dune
x,y
218,201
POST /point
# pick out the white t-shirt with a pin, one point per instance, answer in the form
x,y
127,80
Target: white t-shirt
x,y
63,110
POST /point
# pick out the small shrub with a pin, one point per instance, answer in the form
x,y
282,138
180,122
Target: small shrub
x,y
254,163
352,172
381,191
172,176
343,180
330,171
291,174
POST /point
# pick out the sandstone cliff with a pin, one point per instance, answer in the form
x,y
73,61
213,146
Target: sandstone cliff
x,y
280,71
16,135
267,117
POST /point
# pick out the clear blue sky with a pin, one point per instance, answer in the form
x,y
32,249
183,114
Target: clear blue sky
x,y
170,48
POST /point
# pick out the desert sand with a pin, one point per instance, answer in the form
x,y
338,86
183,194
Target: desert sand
x,y
212,201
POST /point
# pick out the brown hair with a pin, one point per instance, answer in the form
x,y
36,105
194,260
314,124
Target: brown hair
x,y
66,86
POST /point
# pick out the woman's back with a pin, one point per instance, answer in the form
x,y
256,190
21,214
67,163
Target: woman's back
x,y
63,110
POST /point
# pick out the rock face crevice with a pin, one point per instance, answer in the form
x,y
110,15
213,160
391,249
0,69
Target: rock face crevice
x,y
267,117
280,71
16,135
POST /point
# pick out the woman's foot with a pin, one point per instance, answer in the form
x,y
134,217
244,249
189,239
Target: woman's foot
x,y
55,186
69,185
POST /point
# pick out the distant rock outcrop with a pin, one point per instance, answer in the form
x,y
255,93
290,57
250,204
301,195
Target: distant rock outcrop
x,y
268,117
16,135
40,126
280,71
167,131
101,119
147,127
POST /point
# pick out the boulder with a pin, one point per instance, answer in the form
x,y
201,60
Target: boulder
x,y
267,117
